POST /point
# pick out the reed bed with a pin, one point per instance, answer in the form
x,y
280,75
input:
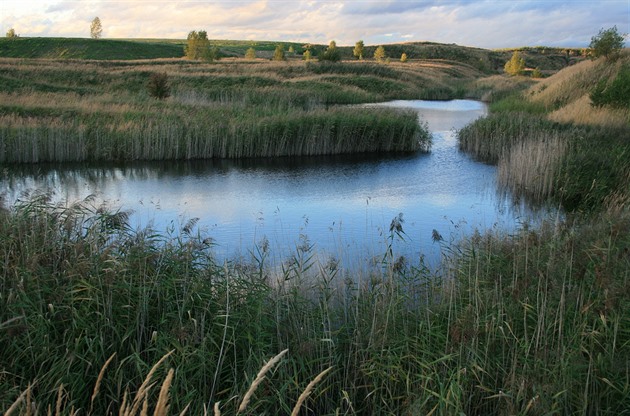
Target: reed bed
x,y
532,167
96,318
54,110
552,145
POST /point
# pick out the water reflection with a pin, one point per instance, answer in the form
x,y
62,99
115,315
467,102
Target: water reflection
x,y
344,204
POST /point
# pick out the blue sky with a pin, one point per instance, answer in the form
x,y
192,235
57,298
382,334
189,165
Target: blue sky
x,y
480,23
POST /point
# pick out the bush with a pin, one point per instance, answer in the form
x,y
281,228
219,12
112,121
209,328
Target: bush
x,y
608,43
616,94
158,86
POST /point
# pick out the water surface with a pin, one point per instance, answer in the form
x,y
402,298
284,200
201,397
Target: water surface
x,y
342,205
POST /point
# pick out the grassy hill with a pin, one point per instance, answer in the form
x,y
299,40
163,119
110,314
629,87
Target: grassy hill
x,y
78,48
485,60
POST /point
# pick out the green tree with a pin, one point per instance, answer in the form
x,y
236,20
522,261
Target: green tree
x,y
403,57
608,43
379,54
515,65
158,86
11,33
358,50
198,47
250,54
331,53
278,54
291,50
96,28
307,55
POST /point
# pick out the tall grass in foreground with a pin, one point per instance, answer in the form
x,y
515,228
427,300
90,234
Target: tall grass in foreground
x,y
96,318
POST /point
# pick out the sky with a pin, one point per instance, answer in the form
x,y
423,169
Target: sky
x,y
479,23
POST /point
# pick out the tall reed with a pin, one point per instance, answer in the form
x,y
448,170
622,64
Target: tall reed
x,y
55,111
524,323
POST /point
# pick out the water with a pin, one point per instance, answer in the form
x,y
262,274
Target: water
x,y
343,206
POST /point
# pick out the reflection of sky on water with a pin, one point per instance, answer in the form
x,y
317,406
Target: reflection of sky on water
x,y
343,204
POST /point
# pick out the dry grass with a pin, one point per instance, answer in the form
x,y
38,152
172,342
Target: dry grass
x,y
566,94
531,166
308,390
581,111
259,378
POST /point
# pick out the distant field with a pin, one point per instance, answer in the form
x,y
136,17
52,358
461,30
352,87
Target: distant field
x,y
485,60
74,48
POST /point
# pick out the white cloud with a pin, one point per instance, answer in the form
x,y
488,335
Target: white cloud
x,y
483,23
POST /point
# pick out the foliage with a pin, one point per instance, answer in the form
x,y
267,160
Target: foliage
x,y
278,54
403,57
96,28
379,54
536,73
515,65
608,43
331,54
98,110
198,47
307,55
158,86
250,53
614,94
358,50
11,33
510,324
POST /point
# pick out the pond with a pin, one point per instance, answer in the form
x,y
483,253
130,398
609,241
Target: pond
x,y
343,206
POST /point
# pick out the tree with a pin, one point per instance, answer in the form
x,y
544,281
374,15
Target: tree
x,y
608,43
379,54
158,86
198,47
96,28
515,65
11,33
358,50
307,55
403,57
331,53
250,54
278,54
291,50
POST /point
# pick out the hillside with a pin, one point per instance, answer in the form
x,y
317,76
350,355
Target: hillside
x,y
78,48
485,60
567,94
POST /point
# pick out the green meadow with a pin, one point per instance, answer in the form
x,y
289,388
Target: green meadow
x,y
99,318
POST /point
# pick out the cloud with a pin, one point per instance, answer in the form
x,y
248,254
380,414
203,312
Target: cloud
x,y
482,23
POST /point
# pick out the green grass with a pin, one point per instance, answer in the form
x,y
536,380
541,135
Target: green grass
x,y
530,323
55,110
582,167
79,48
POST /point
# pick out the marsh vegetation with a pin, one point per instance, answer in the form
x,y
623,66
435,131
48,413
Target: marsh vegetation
x,y
87,110
93,313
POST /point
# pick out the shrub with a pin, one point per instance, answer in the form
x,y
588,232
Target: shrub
x,y
379,54
515,65
250,54
158,86
616,94
331,54
608,43
278,54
